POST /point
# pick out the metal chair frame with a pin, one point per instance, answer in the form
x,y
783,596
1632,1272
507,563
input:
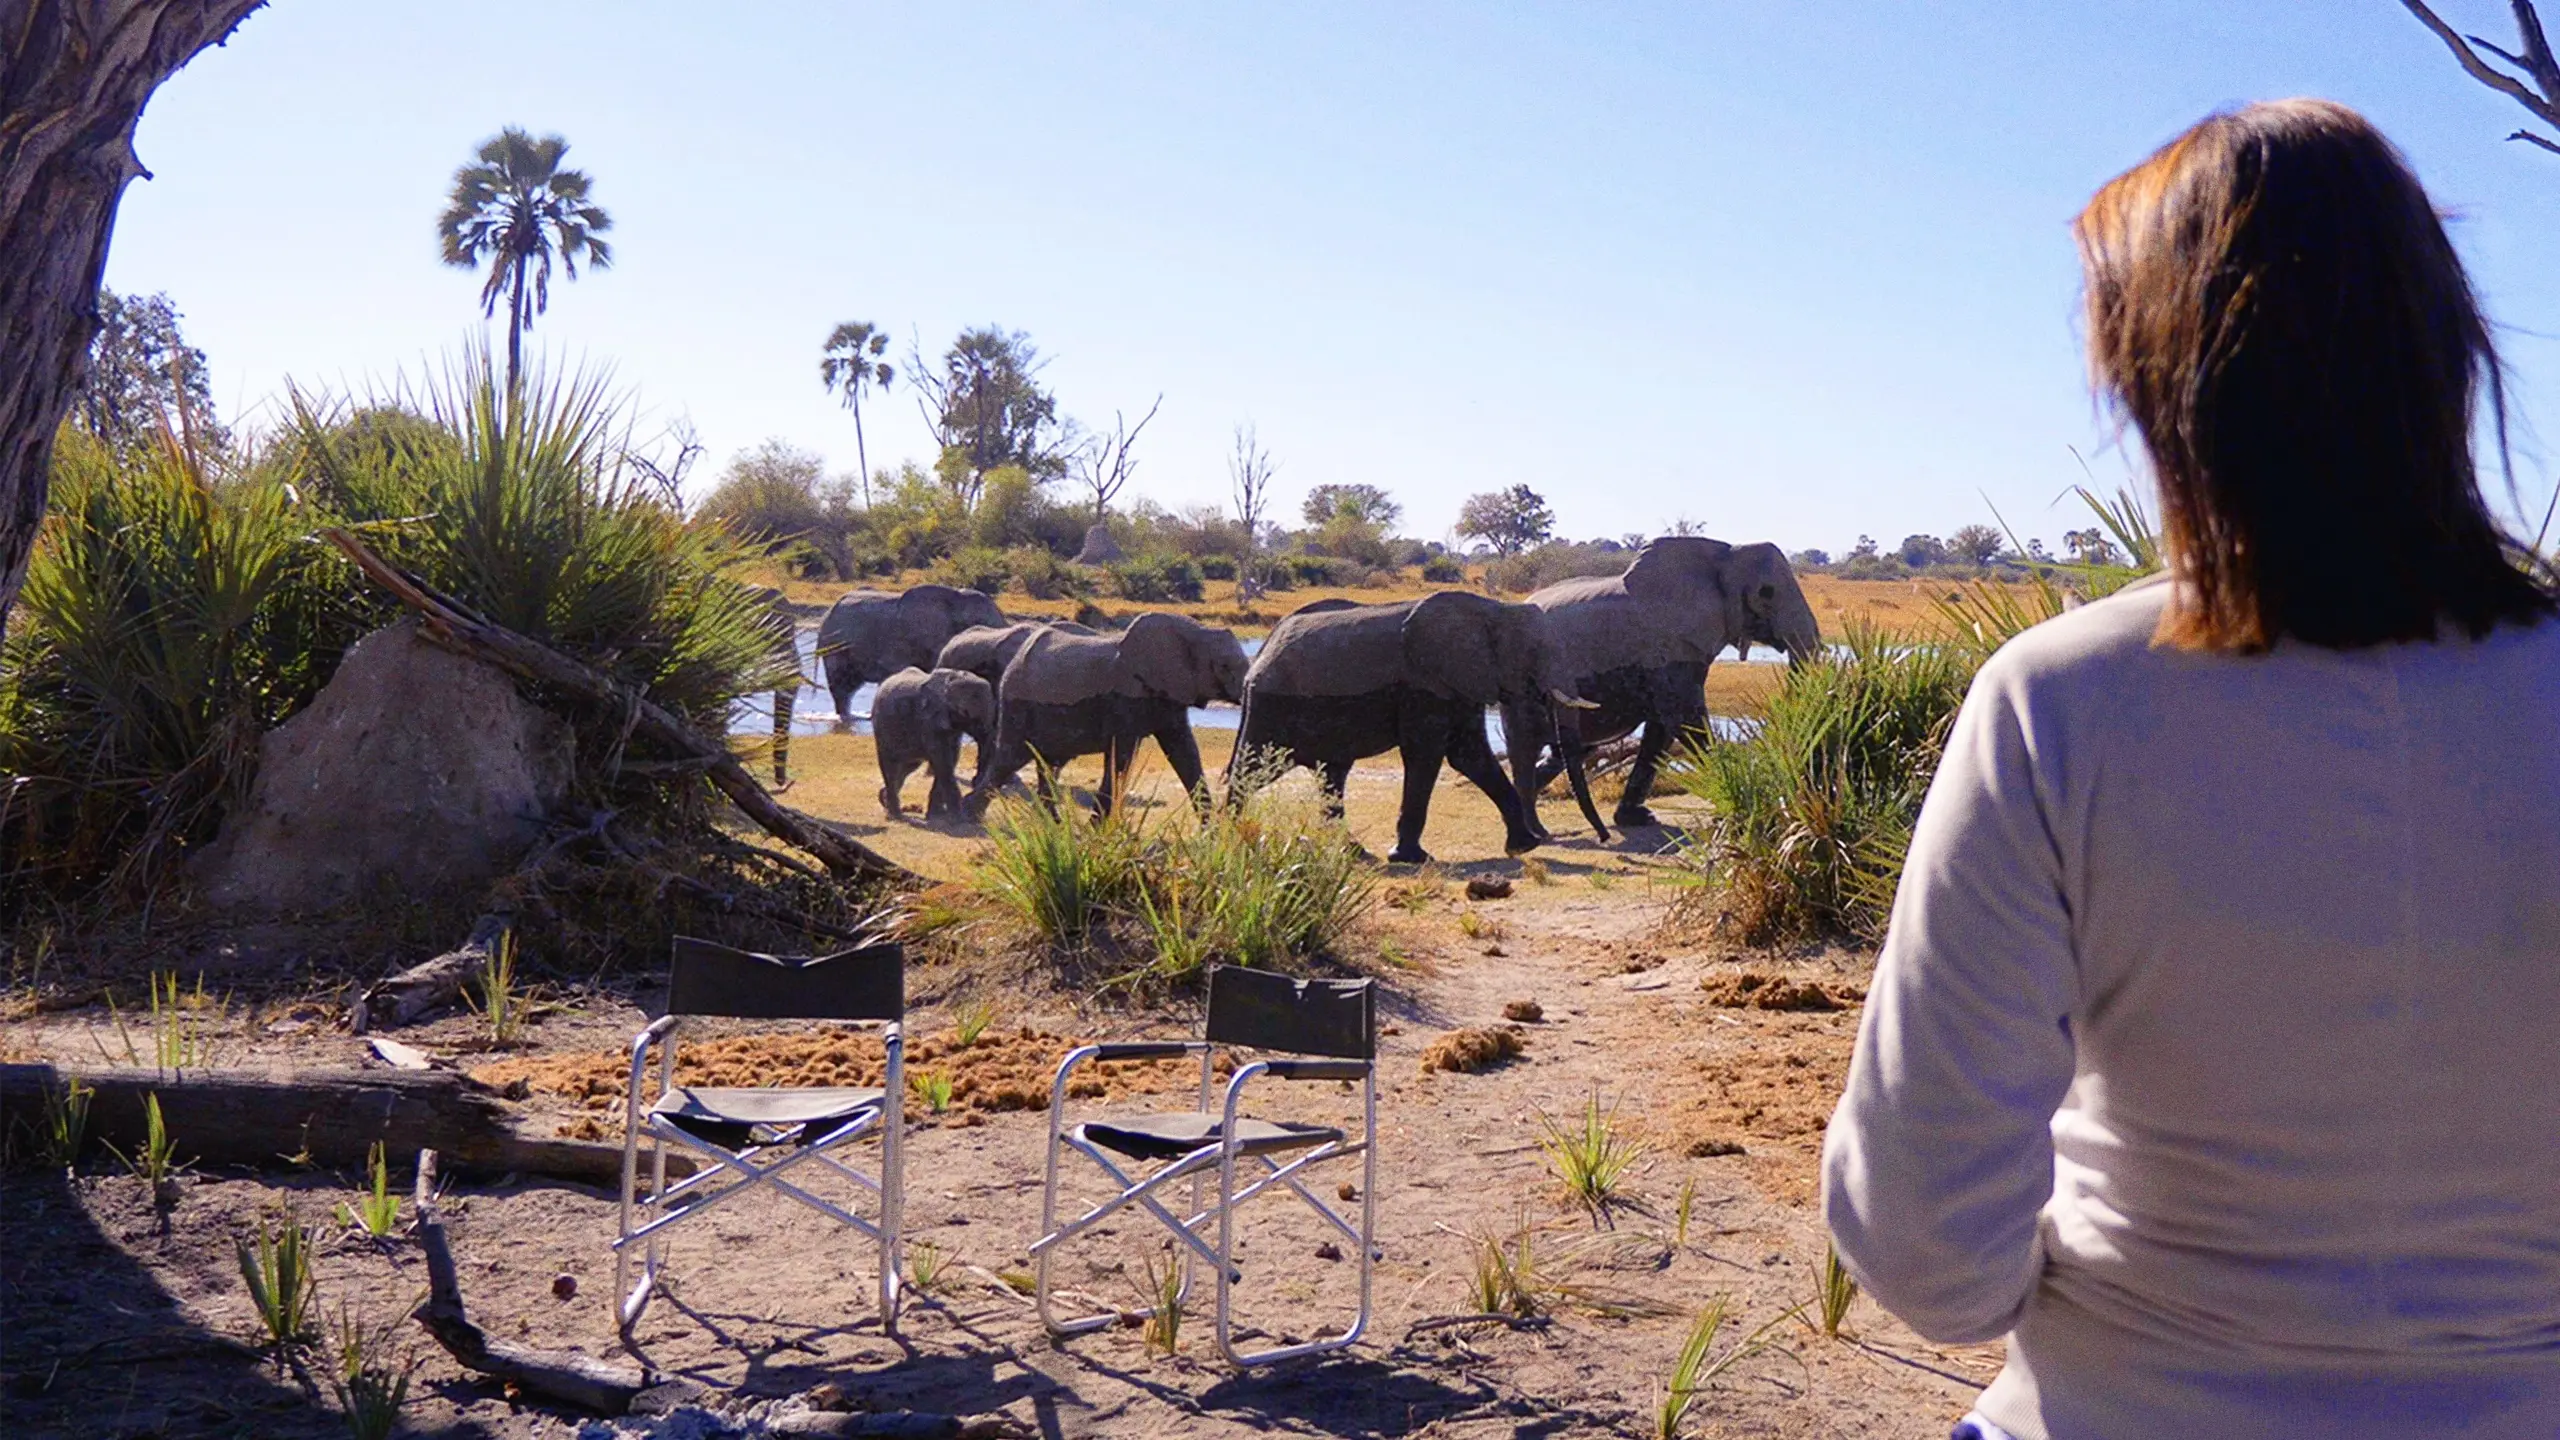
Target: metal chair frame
x,y
1223,1157
664,1206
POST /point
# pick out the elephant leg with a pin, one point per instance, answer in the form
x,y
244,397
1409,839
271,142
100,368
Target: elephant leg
x,y
782,702
1116,760
1471,755
1631,807
1182,750
943,800
893,778
1423,744
1519,722
1337,777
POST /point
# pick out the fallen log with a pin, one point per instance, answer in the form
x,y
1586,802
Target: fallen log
x,y
599,1387
450,624
326,1117
429,985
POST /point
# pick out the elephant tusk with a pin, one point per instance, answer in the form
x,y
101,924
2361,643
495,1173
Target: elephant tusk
x,y
1571,702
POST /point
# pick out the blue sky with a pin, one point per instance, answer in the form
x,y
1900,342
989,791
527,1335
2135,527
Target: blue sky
x,y
1793,271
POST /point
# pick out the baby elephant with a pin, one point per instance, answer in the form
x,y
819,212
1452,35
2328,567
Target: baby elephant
x,y
917,719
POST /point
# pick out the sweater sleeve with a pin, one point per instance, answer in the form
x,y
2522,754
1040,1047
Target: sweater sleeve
x,y
1939,1159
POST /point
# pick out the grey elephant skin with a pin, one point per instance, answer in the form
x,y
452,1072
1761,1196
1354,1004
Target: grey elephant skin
x,y
1337,683
1637,645
918,718
985,650
1065,695
784,626
870,635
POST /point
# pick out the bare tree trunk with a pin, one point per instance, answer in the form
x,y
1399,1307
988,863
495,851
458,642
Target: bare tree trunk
x,y
515,331
861,454
72,85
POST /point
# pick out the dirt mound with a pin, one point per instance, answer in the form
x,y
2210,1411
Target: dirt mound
x,y
1478,1047
999,1072
1752,990
1099,547
414,771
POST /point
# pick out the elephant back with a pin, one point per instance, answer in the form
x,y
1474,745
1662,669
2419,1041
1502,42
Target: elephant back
x,y
1670,606
1471,647
1055,668
1327,649
984,650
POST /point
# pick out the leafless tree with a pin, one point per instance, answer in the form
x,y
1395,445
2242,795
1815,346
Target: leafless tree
x,y
1251,468
1103,462
74,77
2533,57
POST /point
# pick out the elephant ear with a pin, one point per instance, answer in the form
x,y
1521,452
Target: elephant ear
x,y
1162,657
1451,646
1675,569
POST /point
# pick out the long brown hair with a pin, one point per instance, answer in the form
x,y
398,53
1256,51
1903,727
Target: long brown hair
x,y
2274,304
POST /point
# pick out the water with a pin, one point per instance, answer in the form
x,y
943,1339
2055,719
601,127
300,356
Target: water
x,y
814,711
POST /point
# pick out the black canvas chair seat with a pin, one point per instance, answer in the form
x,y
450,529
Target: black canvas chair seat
x,y
728,1116
1170,1137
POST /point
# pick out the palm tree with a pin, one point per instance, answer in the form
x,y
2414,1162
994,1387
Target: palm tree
x,y
515,208
852,363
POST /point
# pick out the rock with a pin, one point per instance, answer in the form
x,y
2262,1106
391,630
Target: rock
x,y
1489,887
564,1286
1099,547
1327,1250
414,771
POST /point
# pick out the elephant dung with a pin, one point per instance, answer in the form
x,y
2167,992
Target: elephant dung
x,y
414,770
1489,887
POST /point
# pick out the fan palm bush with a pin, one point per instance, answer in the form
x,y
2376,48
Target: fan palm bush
x,y
176,610
1813,812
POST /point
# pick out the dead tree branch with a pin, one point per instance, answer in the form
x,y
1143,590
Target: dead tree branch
x,y
599,1387
449,624
2533,57
1105,461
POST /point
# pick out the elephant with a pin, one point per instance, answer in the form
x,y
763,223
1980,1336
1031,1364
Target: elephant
x,y
1066,695
985,650
870,635
1338,682
1638,645
917,718
784,626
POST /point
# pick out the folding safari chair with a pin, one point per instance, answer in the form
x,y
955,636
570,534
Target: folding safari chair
x,y
761,1138
1248,1009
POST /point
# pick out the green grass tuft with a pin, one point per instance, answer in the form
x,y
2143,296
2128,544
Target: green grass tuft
x,y
1589,1155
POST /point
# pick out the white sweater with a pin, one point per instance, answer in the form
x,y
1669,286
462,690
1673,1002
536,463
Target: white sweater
x,y
2214,1053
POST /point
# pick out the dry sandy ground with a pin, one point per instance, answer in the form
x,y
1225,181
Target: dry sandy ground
x,y
116,1326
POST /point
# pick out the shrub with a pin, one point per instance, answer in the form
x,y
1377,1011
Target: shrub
x,y
1444,570
1217,567
1544,566
973,567
1155,578
1813,812
1043,576
1272,886
173,612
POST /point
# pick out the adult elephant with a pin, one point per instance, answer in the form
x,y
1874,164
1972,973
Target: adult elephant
x,y
1638,645
985,650
1066,695
1337,683
783,625
870,635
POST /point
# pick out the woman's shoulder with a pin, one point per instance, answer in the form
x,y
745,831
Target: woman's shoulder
x,y
2104,638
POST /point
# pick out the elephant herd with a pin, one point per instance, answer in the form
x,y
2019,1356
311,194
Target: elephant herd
x,y
1573,666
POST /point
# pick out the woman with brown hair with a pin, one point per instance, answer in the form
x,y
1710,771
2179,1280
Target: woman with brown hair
x,y
2213,1057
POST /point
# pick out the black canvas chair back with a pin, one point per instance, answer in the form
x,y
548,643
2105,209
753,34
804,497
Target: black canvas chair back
x,y
1263,1011
706,978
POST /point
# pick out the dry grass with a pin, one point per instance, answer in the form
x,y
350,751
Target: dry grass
x,y
1474,1049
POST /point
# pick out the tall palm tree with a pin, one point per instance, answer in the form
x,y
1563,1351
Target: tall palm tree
x,y
851,364
516,208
